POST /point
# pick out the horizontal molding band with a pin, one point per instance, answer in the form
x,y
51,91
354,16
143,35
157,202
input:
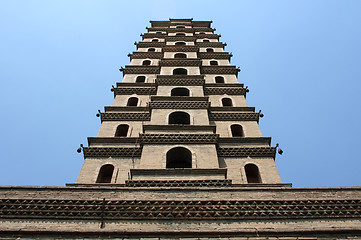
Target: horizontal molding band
x,y
196,29
180,62
224,90
131,69
137,90
125,116
178,183
144,55
186,48
219,70
247,152
226,116
179,138
214,55
179,209
179,105
150,44
179,82
112,152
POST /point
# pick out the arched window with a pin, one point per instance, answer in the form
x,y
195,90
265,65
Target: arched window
x,y
151,49
219,79
179,118
180,26
159,32
179,157
122,130
132,101
180,55
205,40
236,130
252,173
180,91
227,102
105,174
146,62
213,63
180,71
180,34
180,43
209,50
140,79
155,40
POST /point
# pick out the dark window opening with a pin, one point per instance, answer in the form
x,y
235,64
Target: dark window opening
x,y
122,130
179,118
236,130
159,32
219,79
180,34
146,62
202,33
155,40
180,44
180,71
180,92
133,101
252,173
213,63
227,102
140,79
180,55
205,40
209,50
105,174
179,157
151,49
180,27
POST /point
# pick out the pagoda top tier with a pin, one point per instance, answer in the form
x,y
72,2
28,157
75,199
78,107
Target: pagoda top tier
x,y
185,21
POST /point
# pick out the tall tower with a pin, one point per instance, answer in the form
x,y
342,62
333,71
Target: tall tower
x,y
179,116
179,155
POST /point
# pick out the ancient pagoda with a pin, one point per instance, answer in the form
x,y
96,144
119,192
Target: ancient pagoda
x,y
179,155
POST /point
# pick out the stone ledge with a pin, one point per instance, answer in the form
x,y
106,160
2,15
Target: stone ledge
x,y
125,116
266,140
171,127
179,138
180,62
176,98
133,69
182,171
179,82
233,116
135,90
150,44
191,77
227,109
178,183
112,152
215,55
113,210
247,152
219,70
105,140
186,48
125,109
144,55
224,90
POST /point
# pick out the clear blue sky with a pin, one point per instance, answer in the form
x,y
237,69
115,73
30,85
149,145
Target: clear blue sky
x,y
300,59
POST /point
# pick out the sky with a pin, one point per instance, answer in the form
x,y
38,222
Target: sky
x,y
300,59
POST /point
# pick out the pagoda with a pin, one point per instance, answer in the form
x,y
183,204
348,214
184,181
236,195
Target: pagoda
x,y
179,155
